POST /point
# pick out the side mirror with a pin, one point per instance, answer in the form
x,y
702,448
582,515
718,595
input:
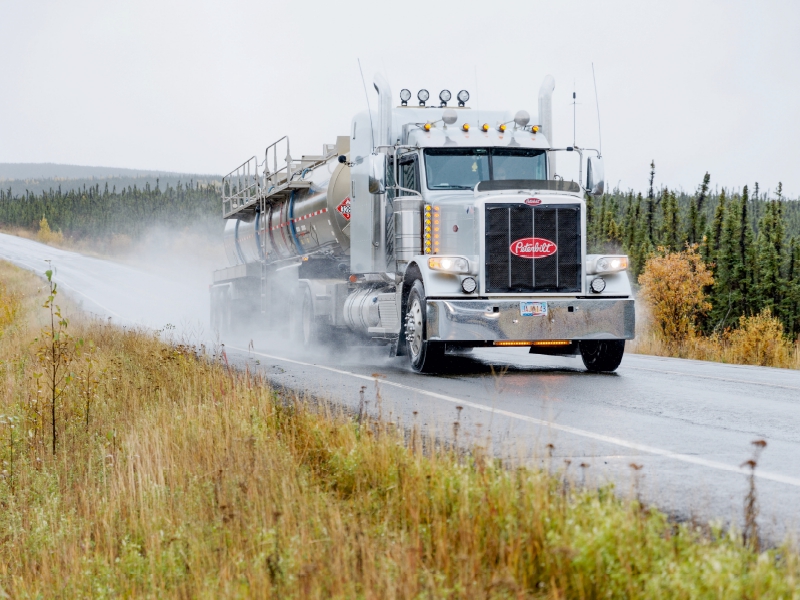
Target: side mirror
x,y
377,174
595,176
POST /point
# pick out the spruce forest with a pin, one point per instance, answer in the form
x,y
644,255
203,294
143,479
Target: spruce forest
x,y
96,213
748,239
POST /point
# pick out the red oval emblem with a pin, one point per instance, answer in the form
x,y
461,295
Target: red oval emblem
x,y
533,248
532,201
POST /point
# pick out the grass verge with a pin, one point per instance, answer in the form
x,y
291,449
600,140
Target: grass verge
x,y
175,476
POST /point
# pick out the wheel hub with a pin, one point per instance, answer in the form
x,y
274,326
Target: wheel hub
x,y
413,328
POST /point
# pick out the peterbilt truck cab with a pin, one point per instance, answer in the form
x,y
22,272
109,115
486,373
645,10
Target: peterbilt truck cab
x,y
455,231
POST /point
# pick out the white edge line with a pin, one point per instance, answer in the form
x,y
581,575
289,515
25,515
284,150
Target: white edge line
x,y
695,460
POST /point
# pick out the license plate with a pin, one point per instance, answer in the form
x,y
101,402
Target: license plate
x,y
533,309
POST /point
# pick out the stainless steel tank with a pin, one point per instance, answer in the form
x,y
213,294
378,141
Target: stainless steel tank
x,y
310,219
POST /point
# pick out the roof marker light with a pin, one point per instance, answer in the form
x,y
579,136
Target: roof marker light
x,y
485,127
535,129
501,127
465,127
427,127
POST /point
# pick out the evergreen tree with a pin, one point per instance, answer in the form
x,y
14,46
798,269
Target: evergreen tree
x,y
651,209
670,232
769,245
745,265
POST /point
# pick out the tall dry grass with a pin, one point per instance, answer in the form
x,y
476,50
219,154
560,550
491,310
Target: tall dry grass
x,y
192,479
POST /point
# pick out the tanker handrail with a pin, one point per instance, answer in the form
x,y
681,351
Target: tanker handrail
x,y
246,181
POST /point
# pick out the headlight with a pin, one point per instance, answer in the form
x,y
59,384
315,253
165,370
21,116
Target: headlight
x,y
607,264
450,264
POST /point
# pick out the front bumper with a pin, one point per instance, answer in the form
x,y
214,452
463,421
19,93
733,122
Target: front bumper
x,y
492,320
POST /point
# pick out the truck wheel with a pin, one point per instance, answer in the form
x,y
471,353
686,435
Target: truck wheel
x,y
221,312
313,330
425,356
602,355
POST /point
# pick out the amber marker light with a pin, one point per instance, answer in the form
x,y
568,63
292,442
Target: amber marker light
x,y
535,128
427,232
465,127
501,127
427,127
513,343
485,127
551,343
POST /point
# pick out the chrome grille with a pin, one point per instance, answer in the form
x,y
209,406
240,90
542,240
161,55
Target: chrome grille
x,y
507,272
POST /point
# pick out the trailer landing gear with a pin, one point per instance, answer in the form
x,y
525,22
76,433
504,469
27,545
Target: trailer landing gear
x,y
602,355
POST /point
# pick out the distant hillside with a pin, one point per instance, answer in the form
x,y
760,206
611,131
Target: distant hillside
x,y
39,177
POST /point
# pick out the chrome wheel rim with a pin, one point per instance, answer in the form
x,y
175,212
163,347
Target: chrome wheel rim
x,y
414,328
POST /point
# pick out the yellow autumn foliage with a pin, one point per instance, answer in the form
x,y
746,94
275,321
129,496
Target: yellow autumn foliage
x,y
673,290
47,235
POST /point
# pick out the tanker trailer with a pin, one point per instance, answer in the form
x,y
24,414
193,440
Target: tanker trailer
x,y
426,229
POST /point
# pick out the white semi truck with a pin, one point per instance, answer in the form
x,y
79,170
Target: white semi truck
x,y
430,228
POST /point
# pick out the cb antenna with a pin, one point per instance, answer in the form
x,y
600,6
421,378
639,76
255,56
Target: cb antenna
x,y
369,109
597,104
574,107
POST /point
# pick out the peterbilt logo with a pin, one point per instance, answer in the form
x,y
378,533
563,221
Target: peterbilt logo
x,y
532,201
533,248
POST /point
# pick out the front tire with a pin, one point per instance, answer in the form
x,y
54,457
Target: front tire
x,y
425,356
602,356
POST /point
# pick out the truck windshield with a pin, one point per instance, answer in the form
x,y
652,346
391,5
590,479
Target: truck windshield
x,y
462,168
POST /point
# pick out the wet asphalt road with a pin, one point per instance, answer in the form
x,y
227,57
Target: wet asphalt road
x,y
688,424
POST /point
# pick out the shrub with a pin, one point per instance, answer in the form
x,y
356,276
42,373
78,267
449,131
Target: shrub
x,y
759,340
47,235
673,288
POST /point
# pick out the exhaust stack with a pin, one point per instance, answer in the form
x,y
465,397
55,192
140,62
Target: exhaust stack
x,y
546,117
384,137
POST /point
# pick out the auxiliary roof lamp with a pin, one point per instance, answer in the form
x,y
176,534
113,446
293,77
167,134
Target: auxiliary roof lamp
x,y
444,97
423,96
462,97
405,96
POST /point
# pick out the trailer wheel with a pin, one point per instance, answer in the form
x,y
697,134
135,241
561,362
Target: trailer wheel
x,y
602,355
221,311
425,356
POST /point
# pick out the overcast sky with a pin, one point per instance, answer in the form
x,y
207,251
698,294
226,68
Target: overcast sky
x,y
198,86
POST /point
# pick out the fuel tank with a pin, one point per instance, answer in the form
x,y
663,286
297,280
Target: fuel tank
x,y
310,219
